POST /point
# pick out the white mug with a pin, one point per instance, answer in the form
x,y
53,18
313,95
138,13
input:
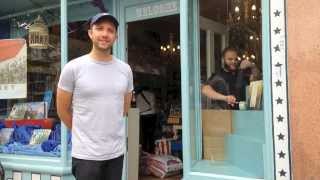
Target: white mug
x,y
242,105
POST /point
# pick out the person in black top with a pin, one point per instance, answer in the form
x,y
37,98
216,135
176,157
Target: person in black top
x,y
227,87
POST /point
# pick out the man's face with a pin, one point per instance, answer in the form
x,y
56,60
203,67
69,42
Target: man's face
x,y
230,60
103,34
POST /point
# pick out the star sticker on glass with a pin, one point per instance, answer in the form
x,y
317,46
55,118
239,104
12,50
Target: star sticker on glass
x,y
280,118
277,48
278,64
280,136
282,173
279,100
278,83
277,30
277,13
282,154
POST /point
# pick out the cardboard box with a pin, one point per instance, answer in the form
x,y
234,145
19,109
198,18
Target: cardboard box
x,y
216,124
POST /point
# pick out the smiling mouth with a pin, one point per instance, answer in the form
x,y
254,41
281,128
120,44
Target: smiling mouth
x,y
104,42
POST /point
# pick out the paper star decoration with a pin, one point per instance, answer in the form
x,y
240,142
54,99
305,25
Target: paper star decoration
x,y
278,83
277,30
282,173
282,154
281,136
279,100
277,13
278,64
280,118
277,48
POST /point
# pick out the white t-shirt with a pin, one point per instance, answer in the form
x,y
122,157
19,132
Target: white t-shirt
x,y
98,127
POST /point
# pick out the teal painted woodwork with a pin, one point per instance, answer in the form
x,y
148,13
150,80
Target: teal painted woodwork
x,y
244,147
126,11
249,124
219,169
26,175
246,154
8,174
267,104
187,116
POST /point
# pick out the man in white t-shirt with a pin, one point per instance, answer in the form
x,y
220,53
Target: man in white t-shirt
x,y
93,96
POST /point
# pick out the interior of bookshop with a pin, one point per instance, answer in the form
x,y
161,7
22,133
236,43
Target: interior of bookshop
x,y
230,72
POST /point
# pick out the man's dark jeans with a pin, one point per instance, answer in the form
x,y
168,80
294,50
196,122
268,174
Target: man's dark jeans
x,y
97,170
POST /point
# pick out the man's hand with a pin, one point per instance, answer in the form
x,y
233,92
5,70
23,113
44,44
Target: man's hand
x,y
230,99
245,64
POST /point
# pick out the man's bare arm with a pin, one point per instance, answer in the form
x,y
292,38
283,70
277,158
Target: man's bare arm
x,y
127,103
64,99
208,91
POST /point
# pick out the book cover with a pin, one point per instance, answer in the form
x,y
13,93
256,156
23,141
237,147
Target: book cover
x,y
30,110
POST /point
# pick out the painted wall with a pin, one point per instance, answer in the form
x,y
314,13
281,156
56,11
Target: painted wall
x,y
304,87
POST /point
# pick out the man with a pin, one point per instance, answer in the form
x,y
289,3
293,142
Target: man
x,y
227,87
93,95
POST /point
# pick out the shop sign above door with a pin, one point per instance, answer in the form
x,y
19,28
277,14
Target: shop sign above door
x,y
152,10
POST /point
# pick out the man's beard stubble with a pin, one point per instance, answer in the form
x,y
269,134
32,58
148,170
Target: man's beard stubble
x,y
227,67
104,50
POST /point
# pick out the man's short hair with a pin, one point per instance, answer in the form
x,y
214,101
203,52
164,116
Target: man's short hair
x,y
225,50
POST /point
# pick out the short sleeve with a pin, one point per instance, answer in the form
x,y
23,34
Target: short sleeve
x,y
213,79
218,84
66,81
130,80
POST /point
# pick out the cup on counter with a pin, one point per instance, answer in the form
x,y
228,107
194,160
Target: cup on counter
x,y
242,105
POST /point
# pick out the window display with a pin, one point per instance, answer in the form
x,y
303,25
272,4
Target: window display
x,y
30,68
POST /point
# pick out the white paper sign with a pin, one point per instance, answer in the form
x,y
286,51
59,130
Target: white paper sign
x,y
13,69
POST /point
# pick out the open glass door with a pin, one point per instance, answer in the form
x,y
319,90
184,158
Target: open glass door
x,y
189,85
152,49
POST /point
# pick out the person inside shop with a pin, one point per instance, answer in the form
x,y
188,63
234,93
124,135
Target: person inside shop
x,y
227,87
94,94
145,100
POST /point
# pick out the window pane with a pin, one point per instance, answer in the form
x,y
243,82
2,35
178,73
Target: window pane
x,y
29,70
231,87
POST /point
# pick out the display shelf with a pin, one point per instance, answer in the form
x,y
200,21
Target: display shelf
x,y
46,123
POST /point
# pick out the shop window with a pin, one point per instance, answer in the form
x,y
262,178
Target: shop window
x,y
232,118
29,71
28,81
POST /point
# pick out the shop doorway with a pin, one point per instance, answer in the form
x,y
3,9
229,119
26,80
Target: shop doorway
x,y
153,52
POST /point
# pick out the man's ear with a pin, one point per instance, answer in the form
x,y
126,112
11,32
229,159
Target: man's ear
x,y
90,33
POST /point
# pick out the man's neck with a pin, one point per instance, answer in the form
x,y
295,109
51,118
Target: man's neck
x,y
100,55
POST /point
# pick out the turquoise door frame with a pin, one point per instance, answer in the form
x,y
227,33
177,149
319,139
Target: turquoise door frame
x,y
189,12
132,10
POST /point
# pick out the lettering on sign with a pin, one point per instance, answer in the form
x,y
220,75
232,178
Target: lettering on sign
x,y
154,10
